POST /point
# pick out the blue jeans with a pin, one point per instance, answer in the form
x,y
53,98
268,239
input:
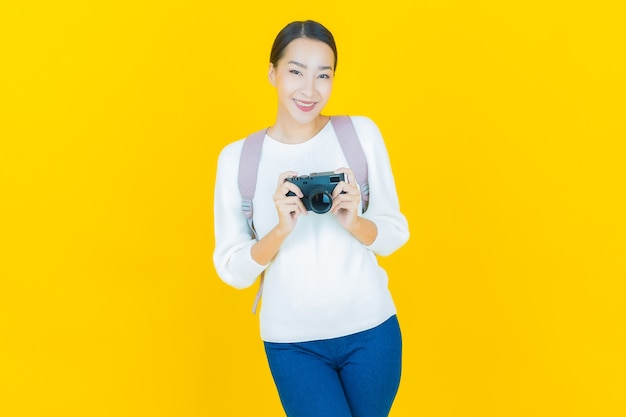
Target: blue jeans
x,y
351,376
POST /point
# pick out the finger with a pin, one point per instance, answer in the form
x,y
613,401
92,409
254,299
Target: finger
x,y
346,202
291,204
284,188
347,207
349,174
345,188
289,209
286,174
283,200
283,176
290,186
286,185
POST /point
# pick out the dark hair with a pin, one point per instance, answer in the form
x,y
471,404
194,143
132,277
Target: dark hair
x,y
301,29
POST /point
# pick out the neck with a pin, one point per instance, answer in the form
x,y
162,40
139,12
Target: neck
x,y
290,131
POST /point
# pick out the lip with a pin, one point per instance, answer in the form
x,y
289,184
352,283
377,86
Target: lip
x,y
305,106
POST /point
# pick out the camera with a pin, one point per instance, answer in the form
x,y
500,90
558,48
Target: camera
x,y
317,188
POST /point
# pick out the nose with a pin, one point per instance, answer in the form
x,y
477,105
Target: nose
x,y
308,86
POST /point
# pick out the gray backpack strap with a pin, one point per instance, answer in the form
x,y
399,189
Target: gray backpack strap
x,y
248,168
352,149
259,293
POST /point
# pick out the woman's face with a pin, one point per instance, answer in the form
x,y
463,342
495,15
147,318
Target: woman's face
x,y
303,79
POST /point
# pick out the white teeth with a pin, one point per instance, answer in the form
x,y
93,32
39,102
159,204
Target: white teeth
x,y
304,105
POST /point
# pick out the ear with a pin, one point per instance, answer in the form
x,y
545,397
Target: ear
x,y
271,75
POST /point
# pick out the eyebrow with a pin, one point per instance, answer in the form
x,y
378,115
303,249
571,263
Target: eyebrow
x,y
298,64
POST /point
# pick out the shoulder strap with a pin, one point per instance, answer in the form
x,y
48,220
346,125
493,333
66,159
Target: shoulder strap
x,y
248,169
352,149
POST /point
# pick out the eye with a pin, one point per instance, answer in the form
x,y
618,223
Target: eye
x,y
326,76
295,72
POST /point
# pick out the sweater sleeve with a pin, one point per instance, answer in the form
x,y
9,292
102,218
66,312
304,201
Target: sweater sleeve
x,y
384,207
233,237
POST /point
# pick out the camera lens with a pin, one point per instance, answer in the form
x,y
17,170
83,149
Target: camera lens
x,y
321,201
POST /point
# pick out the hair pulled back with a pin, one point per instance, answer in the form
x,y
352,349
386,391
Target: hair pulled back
x,y
301,29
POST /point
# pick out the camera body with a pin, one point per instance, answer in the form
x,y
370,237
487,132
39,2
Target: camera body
x,y
317,188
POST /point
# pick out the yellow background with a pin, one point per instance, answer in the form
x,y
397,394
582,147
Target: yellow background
x,y
504,122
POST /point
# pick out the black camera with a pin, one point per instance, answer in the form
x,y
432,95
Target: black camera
x,y
318,189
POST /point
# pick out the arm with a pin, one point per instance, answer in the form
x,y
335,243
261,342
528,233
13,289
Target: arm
x,y
238,257
233,238
365,230
289,209
392,229
346,198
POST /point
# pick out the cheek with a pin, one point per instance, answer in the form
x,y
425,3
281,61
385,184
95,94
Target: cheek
x,y
287,85
325,88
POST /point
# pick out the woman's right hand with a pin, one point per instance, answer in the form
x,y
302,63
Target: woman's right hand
x,y
289,208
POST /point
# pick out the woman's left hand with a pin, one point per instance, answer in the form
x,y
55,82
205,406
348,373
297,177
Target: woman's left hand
x,y
346,198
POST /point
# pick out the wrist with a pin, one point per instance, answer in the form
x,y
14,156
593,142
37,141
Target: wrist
x,y
280,232
364,230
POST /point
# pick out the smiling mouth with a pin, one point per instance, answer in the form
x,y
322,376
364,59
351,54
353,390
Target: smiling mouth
x,y
305,105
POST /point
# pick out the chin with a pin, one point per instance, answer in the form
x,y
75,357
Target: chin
x,y
305,118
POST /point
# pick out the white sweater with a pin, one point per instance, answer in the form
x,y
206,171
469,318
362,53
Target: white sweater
x,y
323,282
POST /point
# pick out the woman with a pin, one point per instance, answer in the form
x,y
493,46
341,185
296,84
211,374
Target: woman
x,y
328,321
